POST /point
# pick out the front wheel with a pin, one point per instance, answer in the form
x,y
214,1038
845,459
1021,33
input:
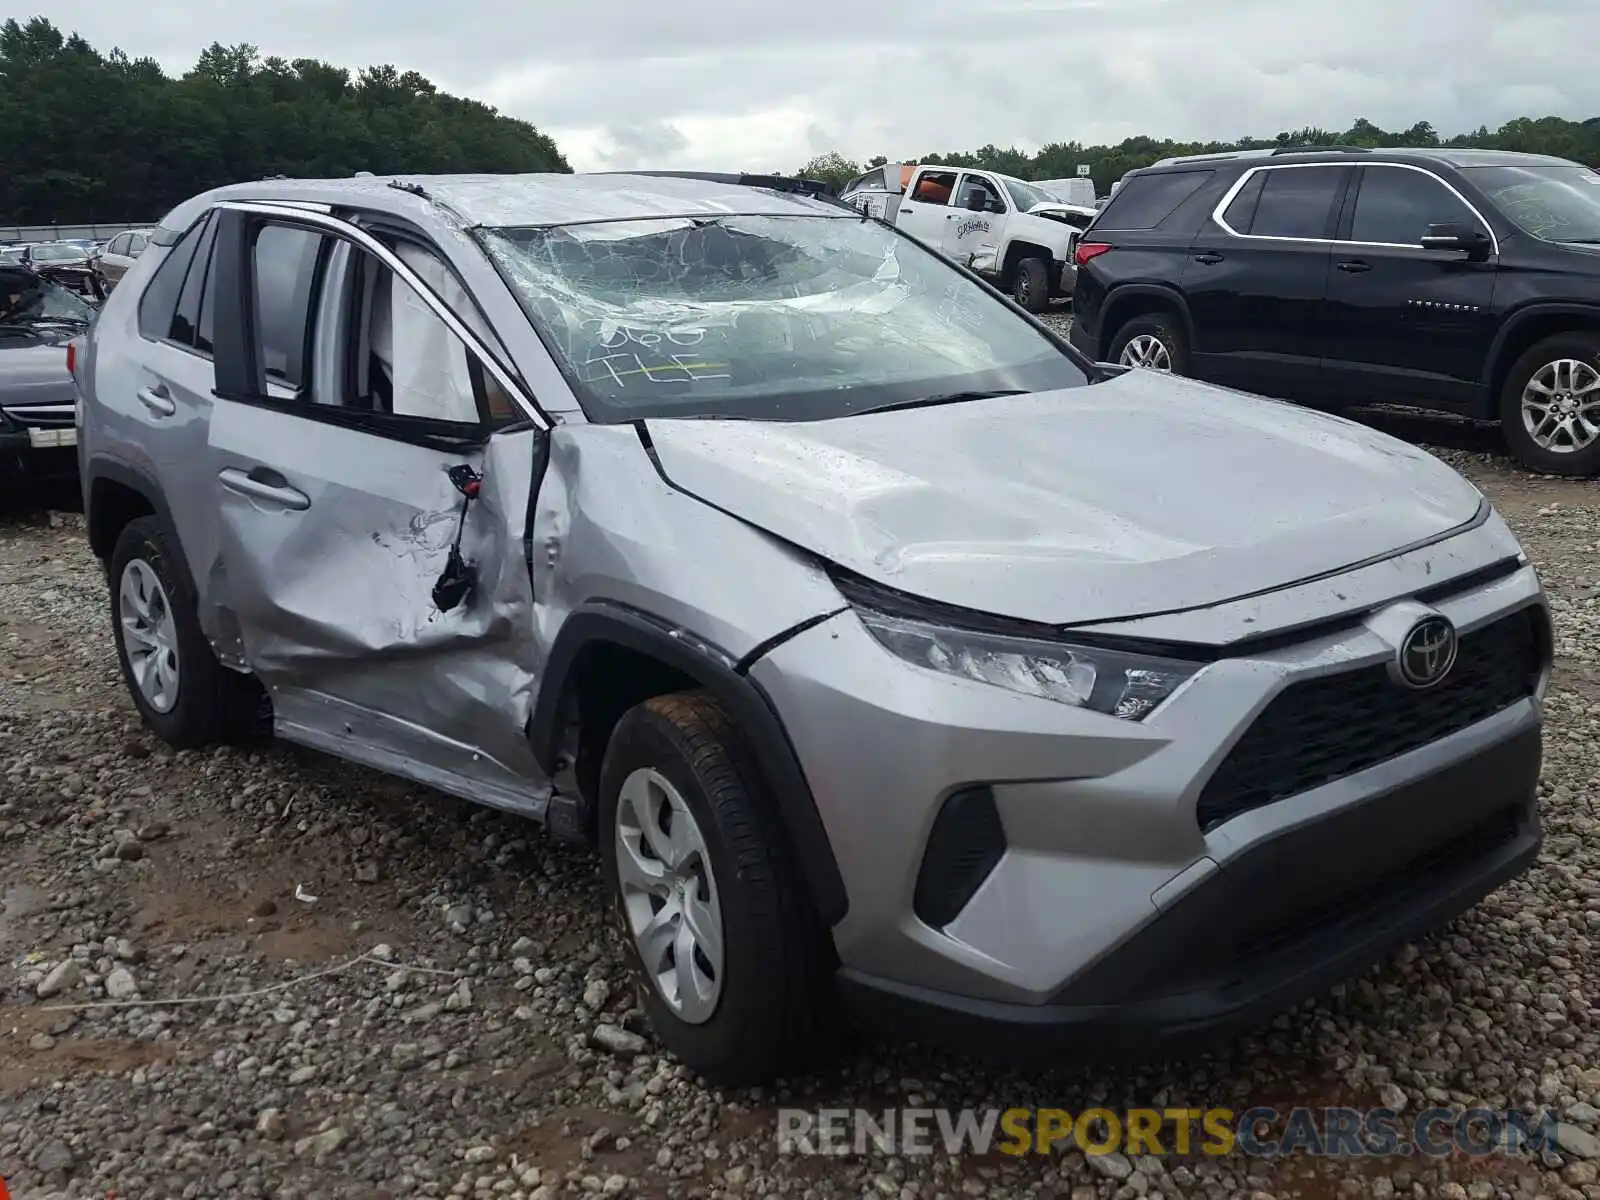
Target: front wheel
x,y
1550,406
732,960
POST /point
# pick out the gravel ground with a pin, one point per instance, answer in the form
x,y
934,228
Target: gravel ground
x,y
417,984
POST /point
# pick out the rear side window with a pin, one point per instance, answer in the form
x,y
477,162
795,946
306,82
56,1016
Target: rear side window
x,y
160,299
935,187
1296,202
1240,214
189,325
284,274
1145,201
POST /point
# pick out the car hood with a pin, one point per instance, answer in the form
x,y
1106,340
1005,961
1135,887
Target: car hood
x,y
1144,494
34,375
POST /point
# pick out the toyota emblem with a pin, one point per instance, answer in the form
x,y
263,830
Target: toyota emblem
x,y
1427,652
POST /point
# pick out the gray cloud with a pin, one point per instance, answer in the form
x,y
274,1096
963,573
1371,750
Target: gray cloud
x,y
724,83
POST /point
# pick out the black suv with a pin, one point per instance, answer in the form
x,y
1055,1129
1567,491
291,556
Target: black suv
x,y
1466,281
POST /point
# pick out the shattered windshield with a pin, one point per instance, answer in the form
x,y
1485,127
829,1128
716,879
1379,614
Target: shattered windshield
x,y
772,318
1554,204
26,298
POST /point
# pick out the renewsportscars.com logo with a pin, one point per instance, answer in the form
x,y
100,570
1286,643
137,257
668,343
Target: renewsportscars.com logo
x,y
1261,1132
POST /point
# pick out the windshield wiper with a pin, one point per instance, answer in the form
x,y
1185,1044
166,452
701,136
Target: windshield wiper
x,y
1582,241
943,398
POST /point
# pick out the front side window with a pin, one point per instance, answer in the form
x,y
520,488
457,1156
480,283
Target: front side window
x,y
1396,205
765,317
1553,204
980,188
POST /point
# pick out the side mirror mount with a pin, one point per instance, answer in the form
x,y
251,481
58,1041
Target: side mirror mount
x,y
1474,243
996,205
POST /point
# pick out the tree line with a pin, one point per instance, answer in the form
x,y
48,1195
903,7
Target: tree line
x,y
1577,140
88,137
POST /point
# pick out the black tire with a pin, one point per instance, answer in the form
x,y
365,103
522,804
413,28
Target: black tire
x,y
1581,463
1030,284
1165,328
214,704
777,962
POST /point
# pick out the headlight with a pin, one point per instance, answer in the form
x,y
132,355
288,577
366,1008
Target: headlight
x,y
1107,681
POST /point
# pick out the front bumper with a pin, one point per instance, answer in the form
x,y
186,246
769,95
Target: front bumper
x,y
1286,920
36,451
1113,897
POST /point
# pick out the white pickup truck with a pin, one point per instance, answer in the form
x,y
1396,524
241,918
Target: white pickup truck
x,y
1015,235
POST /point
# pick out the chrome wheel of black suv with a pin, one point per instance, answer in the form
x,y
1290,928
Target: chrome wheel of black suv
x,y
1550,407
1153,342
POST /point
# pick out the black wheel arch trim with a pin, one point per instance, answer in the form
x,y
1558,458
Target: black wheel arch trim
x,y
1119,295
747,703
135,480
1530,312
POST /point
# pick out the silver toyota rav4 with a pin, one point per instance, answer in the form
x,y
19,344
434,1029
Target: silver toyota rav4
x,y
887,650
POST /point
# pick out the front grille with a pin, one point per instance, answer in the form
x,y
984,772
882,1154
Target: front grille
x,y
42,416
1326,728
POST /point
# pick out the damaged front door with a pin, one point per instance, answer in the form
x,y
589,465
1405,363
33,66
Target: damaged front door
x,y
373,480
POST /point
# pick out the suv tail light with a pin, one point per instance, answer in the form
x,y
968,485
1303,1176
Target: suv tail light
x,y
72,358
1086,251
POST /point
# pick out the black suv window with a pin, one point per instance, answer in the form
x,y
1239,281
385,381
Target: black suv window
x,y
1396,205
1294,202
285,271
1145,201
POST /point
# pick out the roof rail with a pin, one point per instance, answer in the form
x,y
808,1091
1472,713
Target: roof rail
x,y
816,189
1215,156
1322,150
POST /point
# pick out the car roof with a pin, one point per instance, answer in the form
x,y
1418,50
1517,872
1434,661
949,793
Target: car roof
x,y
537,199
1449,156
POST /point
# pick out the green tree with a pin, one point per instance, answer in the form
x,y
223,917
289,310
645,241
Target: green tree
x,y
832,168
86,136
1576,140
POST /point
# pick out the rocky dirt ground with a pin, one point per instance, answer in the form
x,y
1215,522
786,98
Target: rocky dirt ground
x,y
421,998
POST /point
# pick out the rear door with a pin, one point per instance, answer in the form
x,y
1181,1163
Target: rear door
x,y
1256,278
926,204
153,377
354,408
1408,323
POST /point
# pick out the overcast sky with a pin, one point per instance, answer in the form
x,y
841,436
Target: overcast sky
x,y
765,84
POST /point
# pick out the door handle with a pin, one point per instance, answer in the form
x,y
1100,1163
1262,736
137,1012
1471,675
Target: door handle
x,y
262,484
156,400
1210,258
1353,266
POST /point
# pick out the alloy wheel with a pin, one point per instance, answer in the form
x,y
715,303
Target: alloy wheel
x,y
669,895
1146,350
1561,406
149,634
